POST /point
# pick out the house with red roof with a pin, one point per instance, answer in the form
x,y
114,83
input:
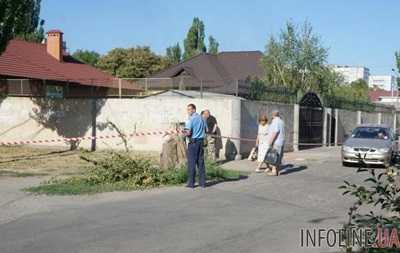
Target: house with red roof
x,y
45,69
378,95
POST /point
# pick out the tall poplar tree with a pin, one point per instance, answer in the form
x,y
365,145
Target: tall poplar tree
x,y
194,42
174,54
20,18
212,45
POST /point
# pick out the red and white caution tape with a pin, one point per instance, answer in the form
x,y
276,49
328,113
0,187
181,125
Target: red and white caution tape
x,y
147,133
139,134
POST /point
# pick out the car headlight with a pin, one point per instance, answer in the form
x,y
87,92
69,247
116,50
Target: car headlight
x,y
383,150
347,149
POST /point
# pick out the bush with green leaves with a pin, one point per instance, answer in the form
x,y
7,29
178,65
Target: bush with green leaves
x,y
376,202
121,172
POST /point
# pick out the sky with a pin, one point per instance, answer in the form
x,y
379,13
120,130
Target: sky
x,y
356,32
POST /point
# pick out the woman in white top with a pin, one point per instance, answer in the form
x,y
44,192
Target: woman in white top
x,y
262,141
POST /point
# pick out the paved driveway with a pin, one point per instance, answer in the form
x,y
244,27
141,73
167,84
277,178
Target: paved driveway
x,y
257,214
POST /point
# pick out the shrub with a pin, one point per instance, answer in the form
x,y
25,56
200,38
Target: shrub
x,y
376,203
122,172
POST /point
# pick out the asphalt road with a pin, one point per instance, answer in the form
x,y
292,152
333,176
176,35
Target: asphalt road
x,y
257,214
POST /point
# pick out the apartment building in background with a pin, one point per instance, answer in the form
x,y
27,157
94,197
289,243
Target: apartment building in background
x,y
384,82
352,73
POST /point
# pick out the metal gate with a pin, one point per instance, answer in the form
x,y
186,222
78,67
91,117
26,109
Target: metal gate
x,y
311,121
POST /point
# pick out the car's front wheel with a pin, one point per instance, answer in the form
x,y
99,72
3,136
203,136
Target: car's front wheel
x,y
395,158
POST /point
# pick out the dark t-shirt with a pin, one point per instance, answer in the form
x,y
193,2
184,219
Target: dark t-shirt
x,y
211,122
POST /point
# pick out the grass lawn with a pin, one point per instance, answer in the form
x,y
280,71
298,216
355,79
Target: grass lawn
x,y
71,175
79,187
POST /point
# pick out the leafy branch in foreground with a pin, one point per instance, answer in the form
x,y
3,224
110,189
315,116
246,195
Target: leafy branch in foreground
x,y
120,172
376,205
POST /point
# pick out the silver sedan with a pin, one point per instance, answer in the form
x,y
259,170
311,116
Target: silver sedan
x,y
372,144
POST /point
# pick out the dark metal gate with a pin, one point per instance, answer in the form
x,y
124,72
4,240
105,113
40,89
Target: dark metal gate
x,y
311,121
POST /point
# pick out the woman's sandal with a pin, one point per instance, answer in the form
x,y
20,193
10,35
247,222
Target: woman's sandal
x,y
273,173
259,170
268,170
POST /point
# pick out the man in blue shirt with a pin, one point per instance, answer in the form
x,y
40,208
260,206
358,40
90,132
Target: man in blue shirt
x,y
276,140
195,130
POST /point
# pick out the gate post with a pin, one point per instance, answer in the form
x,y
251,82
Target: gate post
x,y
329,136
359,117
326,114
394,121
296,116
236,125
379,118
336,126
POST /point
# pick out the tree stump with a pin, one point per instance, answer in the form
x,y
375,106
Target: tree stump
x,y
173,153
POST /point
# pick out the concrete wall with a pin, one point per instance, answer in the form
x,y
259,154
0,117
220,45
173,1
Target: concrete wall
x,y
369,117
346,122
23,119
387,118
250,111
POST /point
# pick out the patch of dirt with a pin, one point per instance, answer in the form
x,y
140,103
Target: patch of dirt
x,y
22,161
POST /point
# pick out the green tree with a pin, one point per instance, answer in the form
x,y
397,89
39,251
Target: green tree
x,y
257,89
35,36
194,42
20,18
355,91
86,56
328,81
296,59
135,62
212,45
174,54
359,90
35,30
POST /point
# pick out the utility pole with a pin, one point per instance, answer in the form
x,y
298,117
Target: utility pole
x,y
396,77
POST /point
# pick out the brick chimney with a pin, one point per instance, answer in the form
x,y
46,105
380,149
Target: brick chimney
x,y
55,44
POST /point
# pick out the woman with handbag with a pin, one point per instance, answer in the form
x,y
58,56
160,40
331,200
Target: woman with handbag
x,y
262,143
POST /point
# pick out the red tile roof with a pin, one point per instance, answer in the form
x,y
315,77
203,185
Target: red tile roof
x,y
24,59
54,31
374,95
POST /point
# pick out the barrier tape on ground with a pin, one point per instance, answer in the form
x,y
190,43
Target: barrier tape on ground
x,y
139,134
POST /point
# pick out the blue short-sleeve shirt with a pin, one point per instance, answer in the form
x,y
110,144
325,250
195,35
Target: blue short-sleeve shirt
x,y
278,126
197,126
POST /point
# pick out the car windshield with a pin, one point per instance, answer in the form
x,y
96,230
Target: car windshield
x,y
370,133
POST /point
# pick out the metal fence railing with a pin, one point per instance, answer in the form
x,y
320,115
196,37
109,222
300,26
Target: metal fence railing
x,y
356,105
131,87
119,87
112,87
230,87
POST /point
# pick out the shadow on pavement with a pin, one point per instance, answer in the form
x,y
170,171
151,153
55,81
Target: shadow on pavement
x,y
211,183
370,166
319,220
290,168
35,157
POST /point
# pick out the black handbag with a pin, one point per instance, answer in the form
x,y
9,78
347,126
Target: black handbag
x,y
272,157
